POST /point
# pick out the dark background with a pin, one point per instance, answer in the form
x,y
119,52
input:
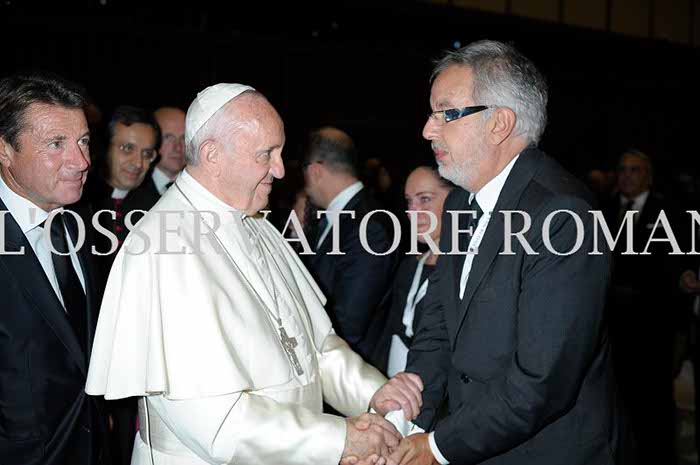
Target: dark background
x,y
364,67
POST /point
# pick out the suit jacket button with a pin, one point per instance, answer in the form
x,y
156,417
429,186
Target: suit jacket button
x,y
465,379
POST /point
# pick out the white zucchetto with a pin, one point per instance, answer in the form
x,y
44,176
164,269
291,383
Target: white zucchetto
x,y
207,103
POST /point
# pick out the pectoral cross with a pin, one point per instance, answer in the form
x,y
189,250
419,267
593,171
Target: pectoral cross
x,y
289,344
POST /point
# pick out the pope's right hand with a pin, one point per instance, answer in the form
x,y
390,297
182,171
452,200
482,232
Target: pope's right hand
x,y
368,435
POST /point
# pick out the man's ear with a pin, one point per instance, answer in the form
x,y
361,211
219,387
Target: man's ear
x,y
210,157
501,125
315,171
7,153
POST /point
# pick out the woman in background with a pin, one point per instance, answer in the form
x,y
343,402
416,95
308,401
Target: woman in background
x,y
425,191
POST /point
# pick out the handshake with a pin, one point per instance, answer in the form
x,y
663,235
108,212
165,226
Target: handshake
x,y
372,440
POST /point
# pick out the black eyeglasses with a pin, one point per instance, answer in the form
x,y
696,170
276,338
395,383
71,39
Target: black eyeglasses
x,y
452,114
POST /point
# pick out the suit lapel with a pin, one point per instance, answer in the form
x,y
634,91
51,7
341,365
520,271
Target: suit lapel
x,y
520,175
327,243
30,275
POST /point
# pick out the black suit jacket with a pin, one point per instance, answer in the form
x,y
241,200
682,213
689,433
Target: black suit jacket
x,y
355,282
97,197
655,274
45,416
524,357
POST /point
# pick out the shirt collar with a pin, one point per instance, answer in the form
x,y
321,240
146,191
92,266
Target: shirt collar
x,y
119,193
342,199
25,212
488,195
637,202
160,179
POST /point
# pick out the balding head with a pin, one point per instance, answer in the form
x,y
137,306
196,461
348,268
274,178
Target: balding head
x,y
172,149
334,148
240,152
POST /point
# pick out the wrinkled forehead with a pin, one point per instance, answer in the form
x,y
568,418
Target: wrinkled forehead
x,y
452,87
49,118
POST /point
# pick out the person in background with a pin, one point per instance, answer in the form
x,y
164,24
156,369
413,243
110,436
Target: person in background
x,y
425,193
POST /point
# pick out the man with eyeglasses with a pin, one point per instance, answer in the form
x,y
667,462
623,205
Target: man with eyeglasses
x,y
512,341
133,137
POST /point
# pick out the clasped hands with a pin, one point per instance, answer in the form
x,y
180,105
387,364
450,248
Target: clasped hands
x,y
372,440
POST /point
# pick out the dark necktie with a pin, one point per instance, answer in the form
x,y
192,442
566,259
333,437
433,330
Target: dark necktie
x,y
474,205
72,291
624,208
167,186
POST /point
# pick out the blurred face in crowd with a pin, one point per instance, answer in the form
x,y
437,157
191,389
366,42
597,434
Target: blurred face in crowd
x,y
459,146
172,147
634,175
299,208
51,162
130,152
252,158
426,193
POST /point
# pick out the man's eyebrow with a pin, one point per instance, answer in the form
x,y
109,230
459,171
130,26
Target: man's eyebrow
x,y
270,149
424,192
442,104
59,137
87,133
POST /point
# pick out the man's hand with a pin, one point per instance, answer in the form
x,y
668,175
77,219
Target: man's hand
x,y
368,435
413,450
689,282
373,459
403,391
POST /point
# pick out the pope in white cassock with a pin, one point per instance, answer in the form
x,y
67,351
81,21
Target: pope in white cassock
x,y
213,321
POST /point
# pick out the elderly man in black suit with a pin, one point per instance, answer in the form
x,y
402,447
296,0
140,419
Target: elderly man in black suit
x,y
356,280
644,305
49,301
512,334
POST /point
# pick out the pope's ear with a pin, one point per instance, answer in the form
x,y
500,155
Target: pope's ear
x,y
6,152
209,157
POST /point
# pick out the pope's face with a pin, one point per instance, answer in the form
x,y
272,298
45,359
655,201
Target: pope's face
x,y
254,160
51,165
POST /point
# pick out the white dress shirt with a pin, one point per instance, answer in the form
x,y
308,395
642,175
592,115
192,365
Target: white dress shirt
x,y
487,198
637,203
29,218
161,180
337,204
119,193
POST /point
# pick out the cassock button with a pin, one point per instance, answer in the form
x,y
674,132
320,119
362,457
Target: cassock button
x,y
465,379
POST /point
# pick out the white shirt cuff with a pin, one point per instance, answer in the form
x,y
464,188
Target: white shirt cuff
x,y
405,427
434,449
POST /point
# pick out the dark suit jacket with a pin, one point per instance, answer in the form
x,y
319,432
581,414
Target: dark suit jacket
x,y
355,282
391,318
524,357
98,196
654,275
45,416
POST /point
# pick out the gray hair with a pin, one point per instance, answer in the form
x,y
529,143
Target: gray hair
x,y
503,77
216,128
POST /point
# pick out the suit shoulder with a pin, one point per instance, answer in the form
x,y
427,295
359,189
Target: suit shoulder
x,y
552,184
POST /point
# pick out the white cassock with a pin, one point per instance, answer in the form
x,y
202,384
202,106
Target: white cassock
x,y
198,334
